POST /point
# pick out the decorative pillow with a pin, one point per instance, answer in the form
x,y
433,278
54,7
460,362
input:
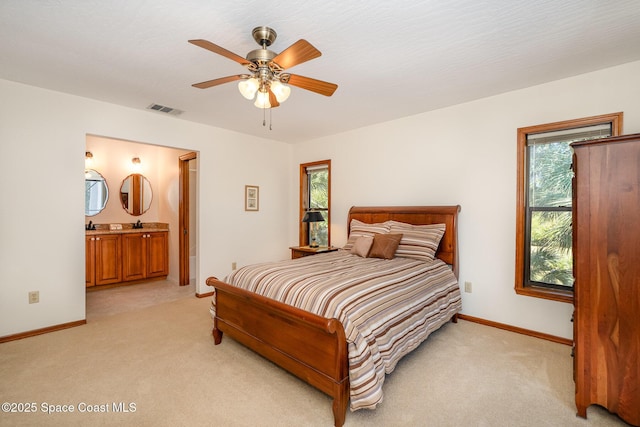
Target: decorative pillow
x,y
418,241
384,246
362,246
359,228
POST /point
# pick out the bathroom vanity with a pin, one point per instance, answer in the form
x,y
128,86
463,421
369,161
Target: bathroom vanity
x,y
126,255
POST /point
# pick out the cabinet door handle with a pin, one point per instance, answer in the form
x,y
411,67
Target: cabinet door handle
x,y
97,238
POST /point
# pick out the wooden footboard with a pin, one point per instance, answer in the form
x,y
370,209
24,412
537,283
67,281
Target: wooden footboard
x,y
309,346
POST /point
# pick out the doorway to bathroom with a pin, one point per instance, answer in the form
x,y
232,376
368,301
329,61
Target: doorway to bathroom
x,y
160,166
187,217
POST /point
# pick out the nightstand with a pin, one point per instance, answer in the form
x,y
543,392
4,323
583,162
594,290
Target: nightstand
x,y
300,251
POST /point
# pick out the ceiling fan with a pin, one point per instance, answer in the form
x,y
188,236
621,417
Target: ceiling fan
x,y
268,81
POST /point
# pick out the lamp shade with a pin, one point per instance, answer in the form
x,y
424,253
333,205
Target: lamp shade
x,y
312,216
281,91
248,88
262,100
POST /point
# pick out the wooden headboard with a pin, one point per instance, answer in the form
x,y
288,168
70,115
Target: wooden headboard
x,y
417,215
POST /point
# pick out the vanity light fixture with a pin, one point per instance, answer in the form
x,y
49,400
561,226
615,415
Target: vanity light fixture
x,y
137,164
88,159
88,164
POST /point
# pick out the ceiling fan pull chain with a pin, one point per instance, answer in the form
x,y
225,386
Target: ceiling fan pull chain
x,y
270,118
264,116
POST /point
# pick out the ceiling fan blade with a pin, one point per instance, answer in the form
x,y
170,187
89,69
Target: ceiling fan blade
x,y
317,86
220,51
216,82
273,101
299,52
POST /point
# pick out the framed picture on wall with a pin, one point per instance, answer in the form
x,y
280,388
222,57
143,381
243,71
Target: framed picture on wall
x,y
251,197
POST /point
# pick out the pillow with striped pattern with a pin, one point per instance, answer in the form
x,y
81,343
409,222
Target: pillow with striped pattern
x,y
418,241
359,228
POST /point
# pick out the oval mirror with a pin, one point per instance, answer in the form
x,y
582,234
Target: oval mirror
x,y
96,192
136,194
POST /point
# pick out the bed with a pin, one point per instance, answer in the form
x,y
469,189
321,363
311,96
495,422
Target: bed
x,y
345,346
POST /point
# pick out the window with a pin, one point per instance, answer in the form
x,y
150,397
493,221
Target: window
x,y
315,195
544,249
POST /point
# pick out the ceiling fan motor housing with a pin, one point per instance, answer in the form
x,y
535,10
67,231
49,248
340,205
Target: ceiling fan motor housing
x,y
261,58
261,55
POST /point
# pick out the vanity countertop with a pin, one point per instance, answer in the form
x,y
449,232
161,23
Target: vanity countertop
x,y
128,228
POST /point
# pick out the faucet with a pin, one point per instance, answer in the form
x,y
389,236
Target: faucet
x,y
90,226
137,224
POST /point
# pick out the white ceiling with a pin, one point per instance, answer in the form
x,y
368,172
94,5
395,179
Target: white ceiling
x,y
389,59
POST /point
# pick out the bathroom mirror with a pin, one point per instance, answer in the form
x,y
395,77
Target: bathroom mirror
x,y
96,192
136,194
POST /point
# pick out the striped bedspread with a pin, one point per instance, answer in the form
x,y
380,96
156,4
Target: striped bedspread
x,y
387,307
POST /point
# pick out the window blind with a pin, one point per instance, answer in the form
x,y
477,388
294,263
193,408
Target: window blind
x,y
571,135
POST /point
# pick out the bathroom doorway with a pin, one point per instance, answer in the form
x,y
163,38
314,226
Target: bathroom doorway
x,y
187,218
112,158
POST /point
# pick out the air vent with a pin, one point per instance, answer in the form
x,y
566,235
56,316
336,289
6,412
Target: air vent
x,y
166,110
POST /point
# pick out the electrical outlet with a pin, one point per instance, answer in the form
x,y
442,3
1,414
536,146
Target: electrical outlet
x,y
234,265
468,288
34,297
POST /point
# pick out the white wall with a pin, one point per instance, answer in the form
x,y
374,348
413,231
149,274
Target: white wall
x,y
466,155
460,155
42,145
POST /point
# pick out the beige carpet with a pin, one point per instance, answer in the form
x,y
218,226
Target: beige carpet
x,y
161,360
134,297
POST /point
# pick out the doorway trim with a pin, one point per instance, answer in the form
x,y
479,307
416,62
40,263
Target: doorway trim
x,y
183,216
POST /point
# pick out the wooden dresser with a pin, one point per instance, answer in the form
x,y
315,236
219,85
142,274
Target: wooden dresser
x,y
606,233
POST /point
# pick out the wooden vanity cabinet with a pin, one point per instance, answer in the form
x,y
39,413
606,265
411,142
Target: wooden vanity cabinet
x,y
145,255
90,261
606,227
103,264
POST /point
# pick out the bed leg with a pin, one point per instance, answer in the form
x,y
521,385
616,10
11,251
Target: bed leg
x,y
454,318
340,403
217,336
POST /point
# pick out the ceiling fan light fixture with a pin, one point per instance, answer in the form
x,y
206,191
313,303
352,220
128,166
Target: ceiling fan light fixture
x,y
262,100
249,87
267,82
281,91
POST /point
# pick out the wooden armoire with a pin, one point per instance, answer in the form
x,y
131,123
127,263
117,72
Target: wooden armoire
x,y
606,233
